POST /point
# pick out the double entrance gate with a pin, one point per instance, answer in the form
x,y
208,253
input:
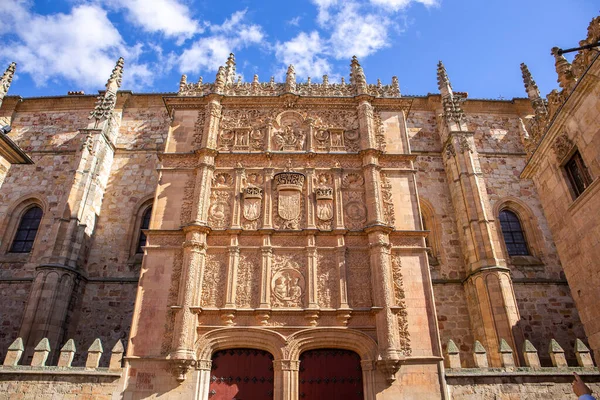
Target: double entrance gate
x,y
247,374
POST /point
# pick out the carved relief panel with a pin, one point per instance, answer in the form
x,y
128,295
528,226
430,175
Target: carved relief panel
x,y
248,280
244,129
327,280
359,279
336,130
290,130
219,211
213,284
355,212
288,283
388,202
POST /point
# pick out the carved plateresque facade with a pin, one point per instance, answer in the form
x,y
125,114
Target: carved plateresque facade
x,y
286,217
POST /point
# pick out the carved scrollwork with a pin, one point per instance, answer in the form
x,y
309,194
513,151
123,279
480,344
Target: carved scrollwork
x,y
387,199
402,314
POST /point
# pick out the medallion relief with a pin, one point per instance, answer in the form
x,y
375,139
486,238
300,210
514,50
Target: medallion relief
x,y
219,212
287,283
355,213
290,131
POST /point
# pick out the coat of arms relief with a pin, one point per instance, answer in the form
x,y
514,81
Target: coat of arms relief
x,y
252,194
289,187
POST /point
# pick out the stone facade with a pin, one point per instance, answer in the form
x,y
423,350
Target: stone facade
x,y
285,217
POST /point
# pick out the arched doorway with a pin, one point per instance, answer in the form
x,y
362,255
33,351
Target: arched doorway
x,y
241,374
331,374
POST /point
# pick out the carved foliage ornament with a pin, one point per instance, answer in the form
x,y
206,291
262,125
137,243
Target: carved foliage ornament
x,y
562,146
388,202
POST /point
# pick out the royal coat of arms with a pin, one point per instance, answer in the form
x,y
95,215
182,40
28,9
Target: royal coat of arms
x,y
289,200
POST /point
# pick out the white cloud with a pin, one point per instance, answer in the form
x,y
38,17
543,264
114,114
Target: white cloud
x,y
294,21
53,47
211,51
170,17
396,5
306,53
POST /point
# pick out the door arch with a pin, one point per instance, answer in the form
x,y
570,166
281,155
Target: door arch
x,y
331,374
241,374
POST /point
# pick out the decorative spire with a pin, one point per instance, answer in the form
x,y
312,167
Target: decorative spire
x,y
533,92
6,79
443,81
290,79
325,80
220,80
106,102
230,70
182,82
566,79
357,76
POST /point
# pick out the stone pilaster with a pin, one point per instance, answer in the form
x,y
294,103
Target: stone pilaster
x,y
286,379
311,257
340,259
338,216
265,273
232,270
310,199
491,299
267,201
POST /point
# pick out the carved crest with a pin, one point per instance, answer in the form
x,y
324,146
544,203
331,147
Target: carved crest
x,y
289,190
324,203
252,202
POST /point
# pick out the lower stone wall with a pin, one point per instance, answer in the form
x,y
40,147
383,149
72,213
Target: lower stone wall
x,y
517,385
14,297
57,385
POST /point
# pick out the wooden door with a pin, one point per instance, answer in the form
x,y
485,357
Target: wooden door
x,y
330,374
241,374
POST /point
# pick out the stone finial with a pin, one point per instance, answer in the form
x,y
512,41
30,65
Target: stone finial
x,y
530,354
533,92
116,356
66,354
290,79
325,80
220,80
230,70
106,101
14,353
6,79
40,353
182,82
395,87
94,353
357,76
444,84
566,79
557,354
480,355
453,355
523,130
506,353
584,358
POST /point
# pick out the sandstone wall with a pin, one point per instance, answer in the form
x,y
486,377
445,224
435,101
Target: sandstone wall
x,y
14,296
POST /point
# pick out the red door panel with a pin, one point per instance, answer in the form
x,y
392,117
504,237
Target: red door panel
x,y
330,374
241,374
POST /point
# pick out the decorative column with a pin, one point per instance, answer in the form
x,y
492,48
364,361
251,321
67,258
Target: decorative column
x,y
240,176
265,273
310,198
338,215
203,367
368,378
232,268
340,259
268,203
490,296
311,258
286,379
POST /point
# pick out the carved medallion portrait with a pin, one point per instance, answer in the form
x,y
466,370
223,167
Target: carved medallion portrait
x,y
287,287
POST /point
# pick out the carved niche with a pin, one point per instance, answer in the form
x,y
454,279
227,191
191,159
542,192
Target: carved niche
x,y
355,212
290,130
324,198
402,315
219,211
289,187
252,200
287,282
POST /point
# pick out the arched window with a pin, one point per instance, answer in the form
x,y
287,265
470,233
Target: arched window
x,y
27,230
145,224
516,245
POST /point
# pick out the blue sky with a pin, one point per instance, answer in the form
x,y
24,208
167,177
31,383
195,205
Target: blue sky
x,y
63,45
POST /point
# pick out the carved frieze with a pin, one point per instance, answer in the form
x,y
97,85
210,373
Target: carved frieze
x,y
359,279
562,146
247,280
187,202
213,284
388,202
199,129
327,281
287,282
402,314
